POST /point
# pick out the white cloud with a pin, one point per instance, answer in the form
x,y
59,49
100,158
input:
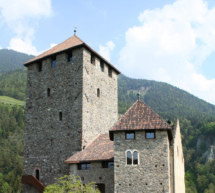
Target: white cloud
x,y
22,17
171,44
106,50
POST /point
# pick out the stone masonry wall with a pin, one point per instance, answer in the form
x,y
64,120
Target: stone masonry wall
x,y
179,178
48,140
152,174
95,174
99,113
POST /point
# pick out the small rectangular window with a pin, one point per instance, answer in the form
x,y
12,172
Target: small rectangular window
x,y
60,116
48,92
39,66
102,66
150,134
92,59
84,166
54,62
69,56
108,164
130,135
109,71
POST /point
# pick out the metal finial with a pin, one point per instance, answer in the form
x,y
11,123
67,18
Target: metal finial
x,y
138,95
75,30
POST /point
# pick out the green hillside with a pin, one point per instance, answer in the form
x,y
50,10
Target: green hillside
x,y
11,101
197,119
12,60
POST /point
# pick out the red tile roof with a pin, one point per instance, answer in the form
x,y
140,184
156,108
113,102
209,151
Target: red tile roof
x,y
100,149
72,42
140,117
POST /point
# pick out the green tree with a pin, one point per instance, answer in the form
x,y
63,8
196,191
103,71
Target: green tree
x,y
70,184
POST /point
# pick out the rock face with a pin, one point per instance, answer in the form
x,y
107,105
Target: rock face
x,y
69,102
207,146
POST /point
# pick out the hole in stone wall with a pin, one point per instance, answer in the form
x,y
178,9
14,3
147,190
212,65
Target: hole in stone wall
x,y
60,116
100,178
160,183
98,92
48,92
156,166
82,178
146,184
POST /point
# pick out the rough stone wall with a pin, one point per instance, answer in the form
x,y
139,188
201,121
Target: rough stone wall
x,y
95,174
152,174
99,113
178,158
49,141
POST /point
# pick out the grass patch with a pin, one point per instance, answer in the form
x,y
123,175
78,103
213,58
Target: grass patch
x,y
11,101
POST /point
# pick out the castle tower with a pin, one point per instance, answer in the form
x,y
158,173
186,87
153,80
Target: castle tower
x,y
71,98
148,155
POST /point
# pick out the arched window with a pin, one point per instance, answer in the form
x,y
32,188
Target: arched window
x,y
135,158
132,157
129,158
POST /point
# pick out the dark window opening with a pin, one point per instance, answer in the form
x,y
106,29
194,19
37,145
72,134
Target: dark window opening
x,y
60,116
135,158
98,92
54,62
108,164
48,92
84,166
150,134
92,59
129,158
69,56
101,187
109,71
39,66
37,174
130,135
102,66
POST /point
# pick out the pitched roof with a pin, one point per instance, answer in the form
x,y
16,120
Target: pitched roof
x,y
72,42
100,149
140,117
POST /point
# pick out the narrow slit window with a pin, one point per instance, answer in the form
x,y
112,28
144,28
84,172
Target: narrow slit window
x,y
109,72
69,57
98,92
92,59
102,66
39,66
48,92
54,62
129,158
135,158
37,174
60,116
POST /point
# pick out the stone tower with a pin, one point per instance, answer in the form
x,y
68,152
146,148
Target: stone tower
x,y
148,155
71,98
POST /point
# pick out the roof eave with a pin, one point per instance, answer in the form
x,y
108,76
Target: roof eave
x,y
84,161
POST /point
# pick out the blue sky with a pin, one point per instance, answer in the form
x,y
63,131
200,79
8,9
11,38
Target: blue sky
x,y
165,40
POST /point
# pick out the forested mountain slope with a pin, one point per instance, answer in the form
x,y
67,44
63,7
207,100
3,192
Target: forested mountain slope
x,y
12,60
197,120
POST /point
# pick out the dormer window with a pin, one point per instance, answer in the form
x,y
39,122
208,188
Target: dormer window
x,y
69,56
130,135
92,59
150,135
54,62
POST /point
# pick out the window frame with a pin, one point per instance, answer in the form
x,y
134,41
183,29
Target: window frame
x,y
102,66
105,164
92,59
110,72
149,131
69,56
132,157
39,66
129,132
54,62
87,166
